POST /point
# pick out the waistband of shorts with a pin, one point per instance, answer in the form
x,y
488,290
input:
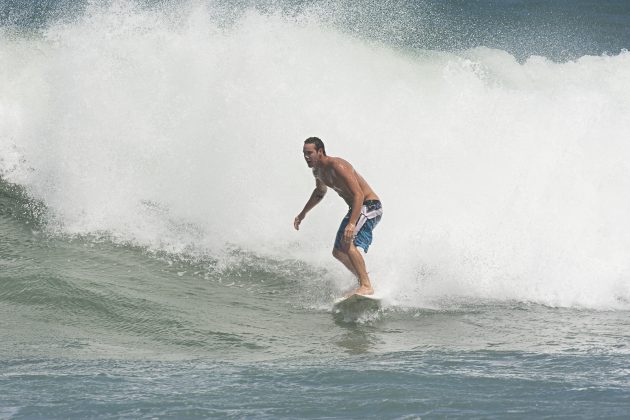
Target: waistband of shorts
x,y
367,203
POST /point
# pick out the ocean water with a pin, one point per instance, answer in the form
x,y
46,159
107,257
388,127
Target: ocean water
x,y
151,167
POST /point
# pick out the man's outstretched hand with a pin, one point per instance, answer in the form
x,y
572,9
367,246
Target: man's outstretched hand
x,y
296,222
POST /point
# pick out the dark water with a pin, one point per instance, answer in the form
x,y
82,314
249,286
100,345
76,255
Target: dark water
x,y
557,29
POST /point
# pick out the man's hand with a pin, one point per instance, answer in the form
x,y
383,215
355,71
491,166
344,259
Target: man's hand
x,y
298,219
348,233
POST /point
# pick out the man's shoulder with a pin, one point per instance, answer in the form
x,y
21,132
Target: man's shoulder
x,y
340,164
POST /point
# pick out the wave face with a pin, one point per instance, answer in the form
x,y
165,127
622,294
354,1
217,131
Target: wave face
x,y
180,130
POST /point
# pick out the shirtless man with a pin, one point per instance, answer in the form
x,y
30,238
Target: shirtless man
x,y
364,214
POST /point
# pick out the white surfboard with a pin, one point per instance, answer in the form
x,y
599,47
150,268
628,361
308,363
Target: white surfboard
x,y
357,303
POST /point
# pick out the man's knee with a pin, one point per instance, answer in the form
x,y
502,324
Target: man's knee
x,y
355,251
337,253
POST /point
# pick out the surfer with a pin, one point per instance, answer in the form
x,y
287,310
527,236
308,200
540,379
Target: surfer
x,y
363,215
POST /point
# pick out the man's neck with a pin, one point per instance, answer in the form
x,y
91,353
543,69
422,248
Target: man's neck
x,y
323,162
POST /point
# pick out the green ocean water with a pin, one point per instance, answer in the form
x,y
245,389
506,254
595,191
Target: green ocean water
x,y
94,329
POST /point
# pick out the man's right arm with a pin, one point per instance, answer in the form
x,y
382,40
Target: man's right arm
x,y
316,197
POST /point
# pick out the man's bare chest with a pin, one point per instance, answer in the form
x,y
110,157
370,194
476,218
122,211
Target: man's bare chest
x,y
329,179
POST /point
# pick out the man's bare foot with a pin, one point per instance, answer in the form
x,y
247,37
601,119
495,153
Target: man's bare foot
x,y
362,290
348,293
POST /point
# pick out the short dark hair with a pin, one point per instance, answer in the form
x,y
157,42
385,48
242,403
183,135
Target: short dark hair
x,y
319,144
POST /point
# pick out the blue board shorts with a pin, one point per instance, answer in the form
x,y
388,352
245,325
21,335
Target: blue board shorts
x,y
371,213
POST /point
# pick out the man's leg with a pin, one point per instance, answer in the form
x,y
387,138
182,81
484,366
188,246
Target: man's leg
x,y
365,287
352,259
345,260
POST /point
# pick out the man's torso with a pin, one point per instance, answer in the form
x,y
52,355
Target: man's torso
x,y
331,179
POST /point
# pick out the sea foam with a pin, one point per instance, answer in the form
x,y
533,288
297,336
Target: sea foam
x,y
183,132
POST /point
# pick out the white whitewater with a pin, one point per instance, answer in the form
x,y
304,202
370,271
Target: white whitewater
x,y
499,179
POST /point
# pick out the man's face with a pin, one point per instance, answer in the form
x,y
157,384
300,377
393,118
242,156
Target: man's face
x,y
311,156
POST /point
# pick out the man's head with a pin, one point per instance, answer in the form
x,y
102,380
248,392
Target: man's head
x,y
313,151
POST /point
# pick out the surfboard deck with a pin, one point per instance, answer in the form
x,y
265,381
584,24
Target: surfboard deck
x,y
357,302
